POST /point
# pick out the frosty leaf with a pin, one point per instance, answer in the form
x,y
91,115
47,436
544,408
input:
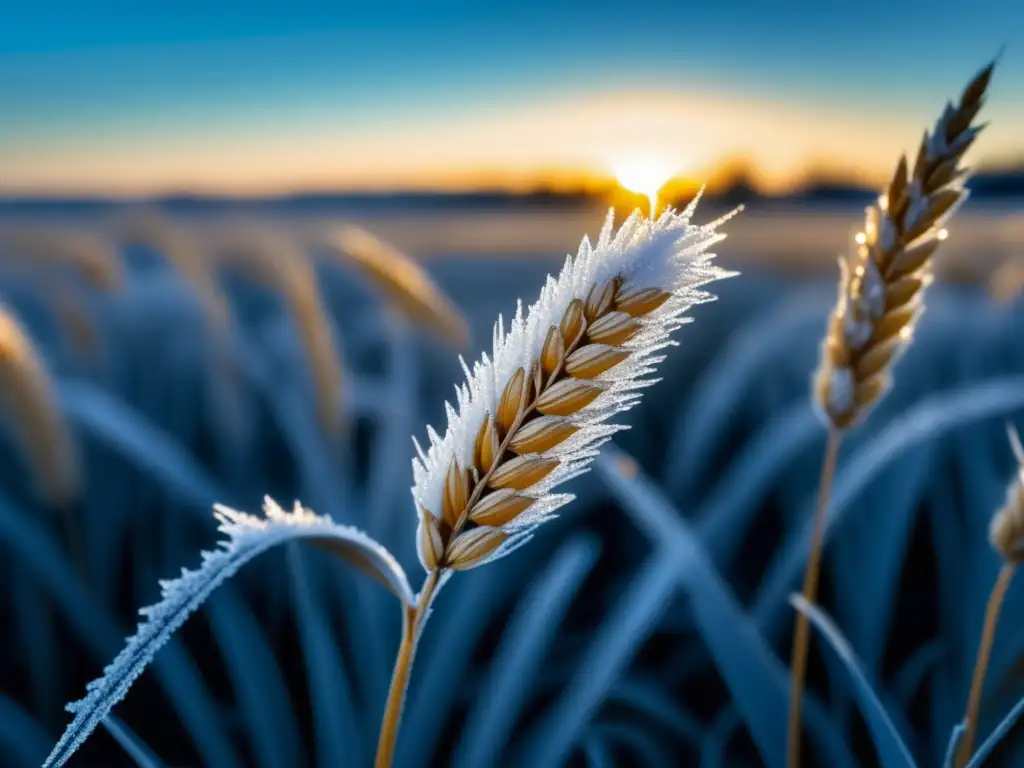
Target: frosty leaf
x,y
248,536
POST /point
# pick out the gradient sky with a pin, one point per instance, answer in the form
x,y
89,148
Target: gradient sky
x,y
109,97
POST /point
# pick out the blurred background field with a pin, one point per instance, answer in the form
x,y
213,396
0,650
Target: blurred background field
x,y
172,194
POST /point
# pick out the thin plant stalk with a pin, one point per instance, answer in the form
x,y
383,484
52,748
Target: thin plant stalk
x,y
988,633
802,632
412,624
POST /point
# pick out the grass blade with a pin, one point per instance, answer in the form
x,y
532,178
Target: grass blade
x,y
136,749
518,659
892,751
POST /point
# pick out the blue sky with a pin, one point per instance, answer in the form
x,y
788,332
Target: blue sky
x,y
105,95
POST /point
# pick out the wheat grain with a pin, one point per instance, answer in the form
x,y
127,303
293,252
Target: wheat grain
x,y
881,292
534,414
91,255
31,411
403,282
273,260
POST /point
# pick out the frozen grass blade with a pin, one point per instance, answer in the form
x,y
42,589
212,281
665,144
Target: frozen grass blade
x,y
892,752
260,690
133,746
755,677
928,420
139,442
954,743
990,744
517,660
248,536
22,739
336,734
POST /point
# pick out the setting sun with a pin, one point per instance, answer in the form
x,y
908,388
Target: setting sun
x,y
643,175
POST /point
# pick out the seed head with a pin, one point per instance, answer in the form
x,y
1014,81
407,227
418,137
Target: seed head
x,y
533,414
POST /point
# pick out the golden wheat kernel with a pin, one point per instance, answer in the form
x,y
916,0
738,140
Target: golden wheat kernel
x,y
901,291
943,174
876,358
641,302
538,379
572,322
456,492
432,543
522,472
869,391
893,323
599,300
613,328
553,352
568,396
592,360
489,445
542,434
508,405
471,547
499,507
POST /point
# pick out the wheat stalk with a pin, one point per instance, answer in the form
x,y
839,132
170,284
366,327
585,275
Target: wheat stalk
x,y
534,414
273,260
91,256
403,281
32,413
1006,533
881,294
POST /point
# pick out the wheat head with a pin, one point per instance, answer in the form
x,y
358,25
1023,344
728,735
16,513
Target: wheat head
x,y
1006,532
533,415
881,291
185,252
31,410
273,260
403,282
92,256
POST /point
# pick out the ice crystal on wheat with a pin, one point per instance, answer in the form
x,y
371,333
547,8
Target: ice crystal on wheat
x,y
533,414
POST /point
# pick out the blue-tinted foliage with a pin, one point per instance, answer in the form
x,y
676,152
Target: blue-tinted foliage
x,y
650,625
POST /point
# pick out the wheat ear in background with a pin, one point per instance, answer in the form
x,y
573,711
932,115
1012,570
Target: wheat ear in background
x,y
1006,534
534,414
92,256
402,281
30,409
274,261
881,294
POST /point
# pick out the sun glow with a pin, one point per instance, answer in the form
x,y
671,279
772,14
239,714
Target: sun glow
x,y
643,175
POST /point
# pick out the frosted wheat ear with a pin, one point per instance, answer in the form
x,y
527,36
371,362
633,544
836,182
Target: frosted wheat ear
x,y
534,414
881,297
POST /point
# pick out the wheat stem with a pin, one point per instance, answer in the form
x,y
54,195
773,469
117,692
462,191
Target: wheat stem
x,y
802,631
412,623
988,633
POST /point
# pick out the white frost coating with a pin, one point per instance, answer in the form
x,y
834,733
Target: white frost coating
x,y
248,536
668,253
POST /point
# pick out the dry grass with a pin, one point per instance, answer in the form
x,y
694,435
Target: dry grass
x,y
404,282
273,260
91,255
31,411
881,295
186,253
1007,282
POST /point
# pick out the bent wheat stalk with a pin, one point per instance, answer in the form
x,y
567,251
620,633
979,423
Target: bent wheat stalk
x,y
1006,534
30,409
881,296
92,256
534,414
403,282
